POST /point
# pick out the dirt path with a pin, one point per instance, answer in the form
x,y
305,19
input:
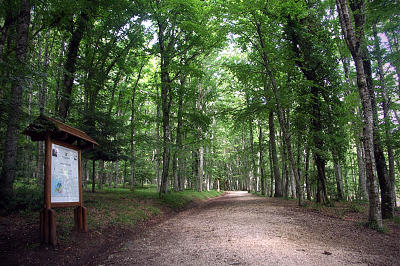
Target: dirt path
x,y
241,229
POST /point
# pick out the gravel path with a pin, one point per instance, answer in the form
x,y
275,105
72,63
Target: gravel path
x,y
241,229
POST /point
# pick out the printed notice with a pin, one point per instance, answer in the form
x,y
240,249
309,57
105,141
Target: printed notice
x,y
64,174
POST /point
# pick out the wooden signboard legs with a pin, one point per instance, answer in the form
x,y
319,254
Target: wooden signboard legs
x,y
48,226
80,215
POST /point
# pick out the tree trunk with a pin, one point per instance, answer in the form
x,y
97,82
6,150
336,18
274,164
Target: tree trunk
x,y
339,178
285,172
93,175
70,64
157,149
116,173
178,150
306,174
387,212
387,201
101,174
133,113
278,181
201,168
262,166
166,100
195,168
181,167
14,112
253,172
354,40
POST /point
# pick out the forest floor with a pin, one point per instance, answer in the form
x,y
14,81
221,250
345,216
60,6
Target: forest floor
x,y
236,229
243,229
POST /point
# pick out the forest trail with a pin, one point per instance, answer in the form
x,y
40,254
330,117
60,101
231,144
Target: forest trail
x,y
242,229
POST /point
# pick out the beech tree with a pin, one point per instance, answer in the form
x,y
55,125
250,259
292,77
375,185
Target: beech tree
x,y
14,110
354,39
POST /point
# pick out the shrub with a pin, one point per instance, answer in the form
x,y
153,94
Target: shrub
x,y
26,198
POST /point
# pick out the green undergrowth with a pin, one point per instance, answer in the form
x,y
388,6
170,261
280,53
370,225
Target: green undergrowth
x,y
178,200
122,207
107,208
374,226
339,209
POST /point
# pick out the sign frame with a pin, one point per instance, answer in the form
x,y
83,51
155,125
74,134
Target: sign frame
x,y
48,170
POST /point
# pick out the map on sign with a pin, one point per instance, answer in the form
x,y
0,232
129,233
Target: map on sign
x,y
64,174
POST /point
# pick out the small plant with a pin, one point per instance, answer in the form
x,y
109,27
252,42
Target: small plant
x,y
355,207
330,203
27,198
396,220
374,226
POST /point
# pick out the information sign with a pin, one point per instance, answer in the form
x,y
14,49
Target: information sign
x,y
64,174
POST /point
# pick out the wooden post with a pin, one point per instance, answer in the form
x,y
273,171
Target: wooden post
x,y
47,215
52,227
42,225
80,217
47,174
84,219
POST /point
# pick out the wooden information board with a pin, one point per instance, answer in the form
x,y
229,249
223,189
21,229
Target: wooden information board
x,y
63,177
65,182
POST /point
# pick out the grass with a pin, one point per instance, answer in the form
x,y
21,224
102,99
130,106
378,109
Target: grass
x,y
178,200
107,208
121,207
374,226
338,209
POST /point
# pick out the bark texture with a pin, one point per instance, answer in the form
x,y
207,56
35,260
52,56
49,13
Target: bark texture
x,y
70,64
354,40
14,111
277,176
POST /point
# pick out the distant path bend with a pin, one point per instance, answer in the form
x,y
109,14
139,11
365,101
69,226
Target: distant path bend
x,y
242,229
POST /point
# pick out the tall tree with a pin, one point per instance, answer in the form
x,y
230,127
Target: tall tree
x,y
77,31
354,37
14,110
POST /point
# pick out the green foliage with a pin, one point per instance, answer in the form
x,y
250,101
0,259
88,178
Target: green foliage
x,y
27,198
356,207
374,226
178,200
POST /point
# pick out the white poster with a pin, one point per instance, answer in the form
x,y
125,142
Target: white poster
x,y
64,174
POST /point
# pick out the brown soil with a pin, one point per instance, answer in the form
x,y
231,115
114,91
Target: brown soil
x,y
235,229
241,229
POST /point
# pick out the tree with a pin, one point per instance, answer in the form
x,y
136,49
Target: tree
x,y
354,37
14,112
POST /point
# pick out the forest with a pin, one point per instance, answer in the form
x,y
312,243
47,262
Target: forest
x,y
296,99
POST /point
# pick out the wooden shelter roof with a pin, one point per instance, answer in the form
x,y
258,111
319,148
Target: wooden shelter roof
x,y
57,130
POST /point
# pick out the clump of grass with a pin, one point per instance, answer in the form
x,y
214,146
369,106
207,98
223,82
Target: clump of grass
x,y
27,198
374,226
178,200
396,220
356,207
330,203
